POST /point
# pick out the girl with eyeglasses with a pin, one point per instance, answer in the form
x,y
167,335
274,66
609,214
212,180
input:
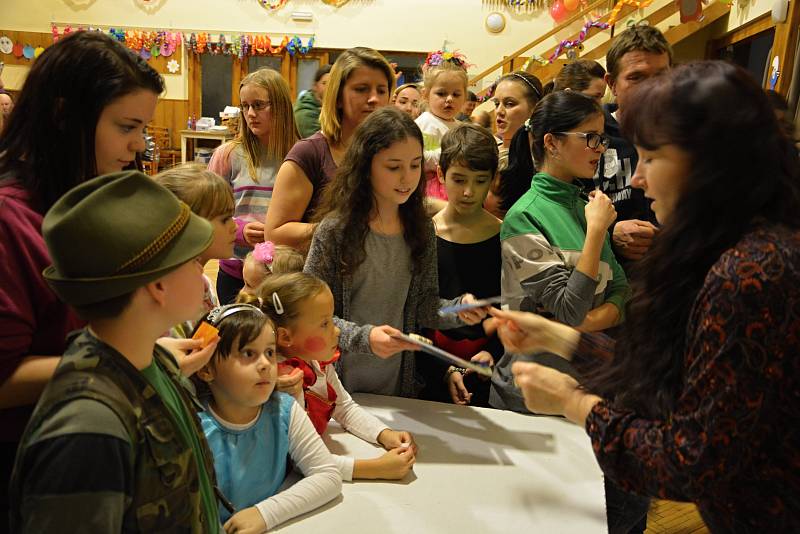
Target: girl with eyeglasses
x,y
557,258
250,164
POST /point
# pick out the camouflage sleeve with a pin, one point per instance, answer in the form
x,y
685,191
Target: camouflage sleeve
x,y
77,471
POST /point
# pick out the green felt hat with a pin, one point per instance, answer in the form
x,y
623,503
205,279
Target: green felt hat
x,y
116,233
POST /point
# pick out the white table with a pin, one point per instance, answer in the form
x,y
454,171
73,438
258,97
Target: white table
x,y
478,471
217,135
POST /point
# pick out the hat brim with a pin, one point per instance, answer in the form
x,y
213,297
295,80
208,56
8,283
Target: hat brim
x,y
188,244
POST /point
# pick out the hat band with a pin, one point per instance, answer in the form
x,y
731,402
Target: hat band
x,y
158,244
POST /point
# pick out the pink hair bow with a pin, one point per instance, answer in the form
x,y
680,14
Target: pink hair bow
x,y
263,252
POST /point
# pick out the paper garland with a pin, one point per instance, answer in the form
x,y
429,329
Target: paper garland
x,y
574,43
245,45
150,43
273,5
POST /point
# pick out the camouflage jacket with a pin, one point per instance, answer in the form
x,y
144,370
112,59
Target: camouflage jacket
x,y
155,489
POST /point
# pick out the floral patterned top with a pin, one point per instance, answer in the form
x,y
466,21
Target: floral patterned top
x,y
732,445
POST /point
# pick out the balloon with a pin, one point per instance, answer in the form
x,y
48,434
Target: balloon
x,y
557,11
571,5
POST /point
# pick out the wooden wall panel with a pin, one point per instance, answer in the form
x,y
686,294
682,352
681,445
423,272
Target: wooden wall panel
x,y
172,114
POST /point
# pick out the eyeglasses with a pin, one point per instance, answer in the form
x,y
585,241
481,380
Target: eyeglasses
x,y
593,140
258,105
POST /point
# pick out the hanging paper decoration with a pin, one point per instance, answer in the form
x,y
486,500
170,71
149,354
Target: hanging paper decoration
x,y
296,45
638,4
577,43
273,4
245,45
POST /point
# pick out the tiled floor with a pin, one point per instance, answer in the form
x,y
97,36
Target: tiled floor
x,y
666,517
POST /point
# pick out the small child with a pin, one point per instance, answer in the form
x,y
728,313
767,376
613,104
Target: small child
x,y
376,250
252,429
267,259
468,255
301,306
209,196
114,435
445,80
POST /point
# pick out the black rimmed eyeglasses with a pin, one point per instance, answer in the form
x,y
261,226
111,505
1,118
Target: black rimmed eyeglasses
x,y
593,140
258,105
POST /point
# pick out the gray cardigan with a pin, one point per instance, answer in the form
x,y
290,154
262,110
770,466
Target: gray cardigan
x,y
421,308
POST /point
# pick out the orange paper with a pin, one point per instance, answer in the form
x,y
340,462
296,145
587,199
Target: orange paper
x,y
206,333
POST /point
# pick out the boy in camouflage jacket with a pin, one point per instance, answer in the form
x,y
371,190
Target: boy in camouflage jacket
x,y
114,444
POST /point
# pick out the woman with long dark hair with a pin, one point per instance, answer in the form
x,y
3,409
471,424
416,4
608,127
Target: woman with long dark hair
x,y
81,113
699,398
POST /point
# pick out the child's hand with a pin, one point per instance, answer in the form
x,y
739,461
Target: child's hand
x,y
291,383
482,358
191,358
458,391
383,345
490,326
253,233
393,439
247,521
474,315
395,464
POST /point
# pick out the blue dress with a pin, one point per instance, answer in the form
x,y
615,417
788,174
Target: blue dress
x,y
251,463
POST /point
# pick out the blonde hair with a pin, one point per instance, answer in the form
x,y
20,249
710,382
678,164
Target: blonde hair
x,y
285,260
431,74
291,290
207,194
330,118
283,130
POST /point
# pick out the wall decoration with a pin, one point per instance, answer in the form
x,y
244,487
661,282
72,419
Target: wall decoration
x,y
6,45
273,5
495,22
173,66
244,45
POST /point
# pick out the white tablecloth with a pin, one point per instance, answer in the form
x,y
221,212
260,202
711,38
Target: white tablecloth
x,y
478,470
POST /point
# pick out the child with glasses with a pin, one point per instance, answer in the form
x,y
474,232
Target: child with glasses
x,y
557,258
250,163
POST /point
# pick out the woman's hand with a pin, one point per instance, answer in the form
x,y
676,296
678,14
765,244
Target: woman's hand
x,y
524,332
253,233
547,391
383,345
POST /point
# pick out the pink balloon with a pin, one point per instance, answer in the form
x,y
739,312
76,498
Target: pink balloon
x,y
571,5
557,11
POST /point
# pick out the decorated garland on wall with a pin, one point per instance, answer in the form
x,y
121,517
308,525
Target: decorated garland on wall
x,y
244,45
150,43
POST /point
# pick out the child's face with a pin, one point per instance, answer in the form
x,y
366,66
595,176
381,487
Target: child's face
x,y
575,157
120,130
184,290
313,334
259,121
253,273
224,238
396,172
247,377
466,188
447,95
365,90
